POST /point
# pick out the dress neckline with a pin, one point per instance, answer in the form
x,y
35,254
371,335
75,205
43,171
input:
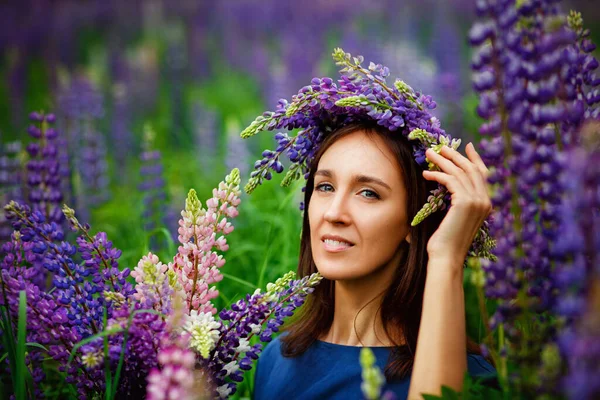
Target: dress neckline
x,y
344,346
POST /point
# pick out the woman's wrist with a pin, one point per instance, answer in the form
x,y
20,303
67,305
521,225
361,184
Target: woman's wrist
x,y
445,267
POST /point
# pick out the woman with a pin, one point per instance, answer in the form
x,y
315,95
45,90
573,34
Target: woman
x,y
395,288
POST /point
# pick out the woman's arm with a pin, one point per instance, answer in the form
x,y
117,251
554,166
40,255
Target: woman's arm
x,y
441,356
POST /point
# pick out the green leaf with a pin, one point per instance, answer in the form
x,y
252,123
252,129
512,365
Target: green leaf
x,y
450,394
107,372
21,372
430,396
39,346
8,341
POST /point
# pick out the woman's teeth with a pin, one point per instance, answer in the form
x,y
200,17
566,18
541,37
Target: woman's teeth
x,y
336,243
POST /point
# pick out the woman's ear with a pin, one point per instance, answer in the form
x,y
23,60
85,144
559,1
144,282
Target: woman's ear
x,y
408,238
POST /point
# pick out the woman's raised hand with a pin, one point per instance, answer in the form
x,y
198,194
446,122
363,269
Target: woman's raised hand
x,y
466,180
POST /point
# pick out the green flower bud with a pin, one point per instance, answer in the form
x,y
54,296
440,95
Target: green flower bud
x,y
256,126
575,21
340,56
352,101
292,175
371,375
433,204
233,178
251,185
404,88
423,136
192,204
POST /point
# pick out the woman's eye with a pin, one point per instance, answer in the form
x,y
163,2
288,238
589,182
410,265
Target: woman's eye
x,y
324,187
369,194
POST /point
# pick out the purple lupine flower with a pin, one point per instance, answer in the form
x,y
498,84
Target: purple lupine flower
x,y
237,151
43,169
81,106
260,314
10,182
48,322
68,277
577,274
153,186
121,135
205,134
526,77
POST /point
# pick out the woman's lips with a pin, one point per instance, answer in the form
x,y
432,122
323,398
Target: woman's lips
x,y
335,246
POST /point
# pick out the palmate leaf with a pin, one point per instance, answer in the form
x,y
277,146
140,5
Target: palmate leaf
x,y
474,388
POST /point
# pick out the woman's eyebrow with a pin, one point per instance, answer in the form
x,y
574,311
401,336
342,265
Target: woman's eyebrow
x,y
358,178
372,179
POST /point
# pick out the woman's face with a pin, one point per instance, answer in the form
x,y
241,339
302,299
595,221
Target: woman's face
x,y
357,212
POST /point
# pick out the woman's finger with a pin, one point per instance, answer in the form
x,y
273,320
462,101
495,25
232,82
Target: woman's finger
x,y
476,159
469,168
449,167
451,183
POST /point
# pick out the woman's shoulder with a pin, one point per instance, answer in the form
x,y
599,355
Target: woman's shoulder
x,y
271,349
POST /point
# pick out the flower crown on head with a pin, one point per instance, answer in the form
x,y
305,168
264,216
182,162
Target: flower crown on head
x,y
360,95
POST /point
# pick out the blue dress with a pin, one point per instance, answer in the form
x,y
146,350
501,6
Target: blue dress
x,y
329,371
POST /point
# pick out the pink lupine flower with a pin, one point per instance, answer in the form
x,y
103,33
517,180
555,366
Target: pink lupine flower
x,y
202,233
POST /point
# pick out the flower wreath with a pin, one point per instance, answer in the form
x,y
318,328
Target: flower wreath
x,y
361,94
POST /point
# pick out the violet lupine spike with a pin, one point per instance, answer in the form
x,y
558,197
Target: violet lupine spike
x,y
577,274
153,185
81,105
260,314
48,323
197,262
205,134
520,64
69,278
10,183
101,259
43,170
121,135
238,154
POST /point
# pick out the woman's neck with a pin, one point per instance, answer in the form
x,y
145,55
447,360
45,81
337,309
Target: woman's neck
x,y
357,315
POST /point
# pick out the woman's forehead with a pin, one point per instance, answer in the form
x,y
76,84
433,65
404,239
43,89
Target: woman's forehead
x,y
360,153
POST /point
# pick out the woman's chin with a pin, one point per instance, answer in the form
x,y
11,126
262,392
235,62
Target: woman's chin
x,y
339,273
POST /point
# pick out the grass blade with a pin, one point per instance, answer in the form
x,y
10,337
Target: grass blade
x,y
21,370
107,373
240,281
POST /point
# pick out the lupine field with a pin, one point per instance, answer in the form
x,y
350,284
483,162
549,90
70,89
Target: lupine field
x,y
151,222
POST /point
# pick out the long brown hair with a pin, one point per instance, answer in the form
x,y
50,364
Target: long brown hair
x,y
403,299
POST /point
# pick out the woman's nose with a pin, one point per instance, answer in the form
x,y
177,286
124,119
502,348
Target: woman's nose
x,y
337,210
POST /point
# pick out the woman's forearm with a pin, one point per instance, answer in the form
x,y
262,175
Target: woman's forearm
x,y
441,345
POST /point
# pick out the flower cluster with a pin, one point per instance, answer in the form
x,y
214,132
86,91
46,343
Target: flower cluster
x,y
577,275
197,262
360,94
43,177
176,377
232,354
81,106
10,182
534,75
153,186
150,338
